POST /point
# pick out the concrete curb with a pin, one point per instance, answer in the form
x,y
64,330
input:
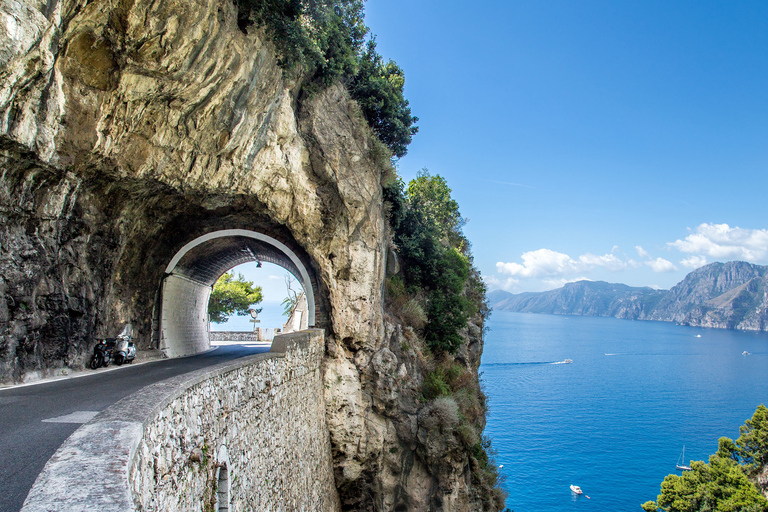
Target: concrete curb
x,y
89,472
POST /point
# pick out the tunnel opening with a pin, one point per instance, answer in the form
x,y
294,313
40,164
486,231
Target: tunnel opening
x,y
282,309
182,324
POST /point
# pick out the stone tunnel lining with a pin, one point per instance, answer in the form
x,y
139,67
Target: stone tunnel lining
x,y
194,269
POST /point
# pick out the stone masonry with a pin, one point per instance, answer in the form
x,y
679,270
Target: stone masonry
x,y
249,435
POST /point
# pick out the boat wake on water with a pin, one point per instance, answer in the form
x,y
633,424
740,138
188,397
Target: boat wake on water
x,y
565,361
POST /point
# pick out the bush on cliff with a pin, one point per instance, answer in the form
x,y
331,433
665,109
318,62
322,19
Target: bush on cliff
x,y
378,89
326,38
436,263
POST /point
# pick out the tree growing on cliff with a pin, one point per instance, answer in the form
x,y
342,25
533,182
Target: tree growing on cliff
x,y
232,295
752,444
378,89
435,259
724,484
326,39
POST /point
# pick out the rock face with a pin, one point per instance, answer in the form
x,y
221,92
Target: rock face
x,y
731,295
129,128
588,298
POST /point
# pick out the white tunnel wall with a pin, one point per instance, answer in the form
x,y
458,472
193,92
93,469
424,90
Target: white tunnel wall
x,y
184,317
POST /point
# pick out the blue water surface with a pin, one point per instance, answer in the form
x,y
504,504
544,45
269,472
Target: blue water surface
x,y
615,420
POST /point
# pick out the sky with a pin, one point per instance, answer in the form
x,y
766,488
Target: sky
x,y
616,141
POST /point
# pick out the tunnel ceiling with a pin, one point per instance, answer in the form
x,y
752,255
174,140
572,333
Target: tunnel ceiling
x,y
209,260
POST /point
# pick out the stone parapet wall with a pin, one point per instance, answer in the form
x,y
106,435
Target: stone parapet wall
x,y
271,419
250,434
232,336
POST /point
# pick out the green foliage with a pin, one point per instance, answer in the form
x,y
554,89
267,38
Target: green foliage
x,y
432,196
448,308
324,36
378,89
427,226
327,38
232,295
752,444
722,485
435,385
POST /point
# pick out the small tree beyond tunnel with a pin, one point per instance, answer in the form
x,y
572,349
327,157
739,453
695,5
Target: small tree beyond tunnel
x,y
183,324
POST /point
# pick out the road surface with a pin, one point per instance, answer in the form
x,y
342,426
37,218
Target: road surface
x,y
35,420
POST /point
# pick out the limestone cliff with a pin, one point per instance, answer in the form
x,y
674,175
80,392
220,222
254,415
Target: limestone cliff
x,y
128,128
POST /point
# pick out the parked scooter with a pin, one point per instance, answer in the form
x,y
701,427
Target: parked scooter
x,y
125,351
102,353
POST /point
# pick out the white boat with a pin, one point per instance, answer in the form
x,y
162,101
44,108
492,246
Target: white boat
x,y
745,353
681,462
576,489
568,361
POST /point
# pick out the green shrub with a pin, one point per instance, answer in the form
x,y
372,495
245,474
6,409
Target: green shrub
x,y
427,226
322,36
378,89
435,385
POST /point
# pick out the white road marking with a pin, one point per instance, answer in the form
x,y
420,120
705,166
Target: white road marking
x,y
75,417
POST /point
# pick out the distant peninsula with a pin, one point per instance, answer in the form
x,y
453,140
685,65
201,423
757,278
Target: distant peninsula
x,y
731,295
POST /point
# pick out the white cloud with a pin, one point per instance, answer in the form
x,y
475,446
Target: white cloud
x,y
642,252
542,262
545,262
275,278
494,283
720,241
661,265
694,262
608,261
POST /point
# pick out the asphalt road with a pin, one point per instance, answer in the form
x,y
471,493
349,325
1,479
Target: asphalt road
x,y
27,441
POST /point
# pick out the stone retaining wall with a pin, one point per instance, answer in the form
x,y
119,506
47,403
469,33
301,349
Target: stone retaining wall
x,y
249,435
232,336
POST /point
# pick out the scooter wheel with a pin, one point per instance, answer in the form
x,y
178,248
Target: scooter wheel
x,y
106,361
119,360
95,362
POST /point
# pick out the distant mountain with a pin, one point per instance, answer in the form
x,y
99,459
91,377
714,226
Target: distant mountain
x,y
731,295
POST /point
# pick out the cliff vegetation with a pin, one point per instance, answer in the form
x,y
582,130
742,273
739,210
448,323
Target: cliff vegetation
x,y
326,40
440,298
735,479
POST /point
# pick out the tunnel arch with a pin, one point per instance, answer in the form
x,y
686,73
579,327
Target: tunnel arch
x,y
191,273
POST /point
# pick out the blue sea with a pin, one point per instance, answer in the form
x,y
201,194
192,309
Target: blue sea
x,y
613,422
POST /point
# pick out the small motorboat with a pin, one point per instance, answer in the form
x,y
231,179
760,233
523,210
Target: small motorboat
x,y
567,361
576,489
745,353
